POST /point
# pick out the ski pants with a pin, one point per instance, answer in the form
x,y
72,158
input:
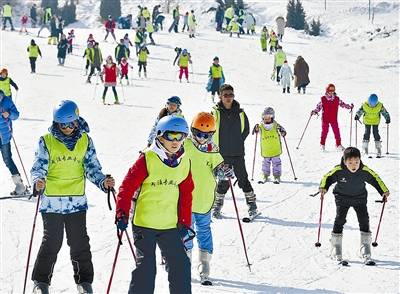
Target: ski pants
x,y
77,240
32,61
142,64
61,60
112,34
114,91
5,19
335,128
92,68
341,213
201,224
183,70
276,166
87,64
278,69
239,167
170,243
151,38
44,25
216,84
302,86
7,158
375,131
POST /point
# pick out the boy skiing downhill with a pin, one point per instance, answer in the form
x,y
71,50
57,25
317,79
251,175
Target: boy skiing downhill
x,y
110,73
206,163
162,208
330,104
142,60
124,70
216,78
172,107
270,143
351,176
285,75
64,159
372,111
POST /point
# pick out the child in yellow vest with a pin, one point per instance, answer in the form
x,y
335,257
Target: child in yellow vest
x,y
271,147
142,60
264,38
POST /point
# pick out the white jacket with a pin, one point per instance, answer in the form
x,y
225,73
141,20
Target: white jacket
x,y
285,75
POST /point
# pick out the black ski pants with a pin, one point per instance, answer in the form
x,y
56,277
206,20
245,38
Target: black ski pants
x,y
341,213
77,240
239,167
375,131
32,60
170,243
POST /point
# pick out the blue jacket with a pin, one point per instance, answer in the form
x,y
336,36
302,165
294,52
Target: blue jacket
x,y
7,105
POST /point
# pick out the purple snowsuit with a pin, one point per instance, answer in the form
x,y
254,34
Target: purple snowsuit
x,y
276,166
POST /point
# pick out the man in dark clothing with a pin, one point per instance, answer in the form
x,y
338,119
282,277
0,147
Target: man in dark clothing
x,y
33,14
219,17
121,51
95,59
232,129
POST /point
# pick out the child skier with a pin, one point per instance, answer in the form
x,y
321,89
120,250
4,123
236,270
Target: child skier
x,y
183,62
273,42
172,107
329,105
264,38
270,143
24,23
192,24
216,78
162,208
127,43
234,27
90,40
8,113
372,111
95,59
206,163
70,38
125,70
351,176
33,52
139,39
6,82
279,59
150,31
109,25
88,54
110,73
142,60
285,75
121,51
63,199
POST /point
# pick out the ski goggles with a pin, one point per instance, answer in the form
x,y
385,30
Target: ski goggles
x,y
202,135
68,125
171,136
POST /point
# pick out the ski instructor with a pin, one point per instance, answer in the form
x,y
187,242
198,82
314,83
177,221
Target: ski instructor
x,y
232,129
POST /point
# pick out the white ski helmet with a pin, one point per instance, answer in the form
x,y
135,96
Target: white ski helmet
x,y
268,111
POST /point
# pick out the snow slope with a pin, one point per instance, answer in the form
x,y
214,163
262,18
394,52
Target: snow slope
x,y
281,242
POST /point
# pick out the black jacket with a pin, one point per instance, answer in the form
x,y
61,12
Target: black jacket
x,y
350,188
231,137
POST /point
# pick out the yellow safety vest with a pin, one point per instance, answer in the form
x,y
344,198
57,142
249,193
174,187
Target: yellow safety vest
x,y
5,86
216,72
149,27
157,203
66,173
7,11
372,115
184,60
142,56
216,114
270,141
33,51
202,168
146,13
280,57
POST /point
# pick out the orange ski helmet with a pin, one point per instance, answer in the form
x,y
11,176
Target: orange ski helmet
x,y
204,122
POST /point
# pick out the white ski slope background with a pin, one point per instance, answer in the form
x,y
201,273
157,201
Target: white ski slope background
x,y
280,242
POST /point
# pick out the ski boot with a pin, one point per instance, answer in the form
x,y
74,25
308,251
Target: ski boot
x,y
365,146
20,188
322,148
212,98
85,288
378,147
283,90
251,203
219,202
277,179
204,267
336,242
298,91
40,288
265,179
365,248
288,90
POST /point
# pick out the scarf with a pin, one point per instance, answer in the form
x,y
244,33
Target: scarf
x,y
70,141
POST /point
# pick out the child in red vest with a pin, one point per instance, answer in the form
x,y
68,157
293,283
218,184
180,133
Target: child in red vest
x,y
70,38
125,69
110,73
330,104
24,22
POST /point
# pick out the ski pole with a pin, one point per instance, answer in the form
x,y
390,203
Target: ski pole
x,y
304,132
123,92
318,244
240,225
387,138
356,132
290,159
31,241
16,97
375,244
114,264
20,159
351,123
95,87
254,157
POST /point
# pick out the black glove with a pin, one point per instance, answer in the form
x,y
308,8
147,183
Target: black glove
x,y
186,233
121,221
388,121
356,117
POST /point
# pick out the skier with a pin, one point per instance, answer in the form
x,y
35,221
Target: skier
x,y
240,20
233,27
33,15
273,42
264,38
219,18
6,82
279,59
285,75
24,23
7,15
163,207
70,38
109,25
372,111
127,43
62,50
95,59
121,51
192,23
60,27
232,129
185,22
53,38
159,22
110,73
125,70
142,60
329,104
34,52
216,78
248,22
270,145
351,176
183,62
47,17
150,31
172,107
206,163
175,21
63,199
8,113
139,39
301,71
88,54
155,13
280,27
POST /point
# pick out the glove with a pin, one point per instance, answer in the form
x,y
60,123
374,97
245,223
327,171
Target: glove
x,y
283,134
228,171
256,129
388,121
121,222
313,112
352,106
356,117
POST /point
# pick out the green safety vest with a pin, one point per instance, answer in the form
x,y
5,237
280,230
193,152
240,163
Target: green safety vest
x,y
191,20
280,57
33,51
47,15
142,56
202,169
215,113
7,10
146,13
264,35
5,86
157,203
89,53
149,27
216,72
270,141
229,13
372,115
234,25
66,173
184,60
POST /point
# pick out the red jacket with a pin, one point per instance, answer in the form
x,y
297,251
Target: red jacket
x,y
124,68
133,180
110,25
330,108
110,73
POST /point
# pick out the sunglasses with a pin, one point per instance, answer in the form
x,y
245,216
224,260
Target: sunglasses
x,y
202,135
230,95
171,136
68,125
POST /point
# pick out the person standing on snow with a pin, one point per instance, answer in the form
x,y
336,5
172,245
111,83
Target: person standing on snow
x,y
229,15
109,25
47,17
301,71
219,18
61,184
24,23
234,27
33,15
89,55
192,24
121,51
127,43
232,129
329,105
70,39
183,63
285,75
279,60
162,208
264,38
62,50
110,74
185,22
34,52
7,16
216,78
150,31
273,42
95,59
142,60
175,21
124,70
6,82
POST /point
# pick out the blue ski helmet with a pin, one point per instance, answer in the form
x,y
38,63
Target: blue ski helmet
x,y
172,123
184,51
175,99
372,100
66,111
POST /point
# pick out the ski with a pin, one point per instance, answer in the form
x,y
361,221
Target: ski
x,y
15,197
249,219
262,182
369,262
205,282
343,263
